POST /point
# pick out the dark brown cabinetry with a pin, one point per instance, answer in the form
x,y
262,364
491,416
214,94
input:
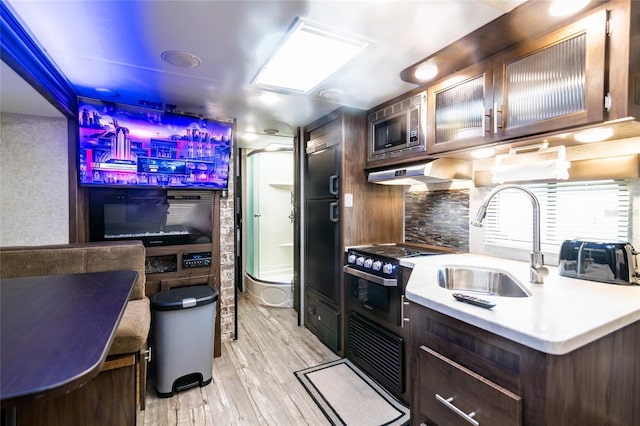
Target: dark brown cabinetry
x,y
456,395
555,82
552,83
341,209
505,383
460,109
527,75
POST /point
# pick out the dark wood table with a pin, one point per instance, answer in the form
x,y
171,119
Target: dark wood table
x,y
56,331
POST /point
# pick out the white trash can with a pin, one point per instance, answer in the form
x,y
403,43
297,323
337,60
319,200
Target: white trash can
x,y
183,325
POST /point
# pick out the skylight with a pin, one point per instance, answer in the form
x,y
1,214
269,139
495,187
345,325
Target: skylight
x,y
308,55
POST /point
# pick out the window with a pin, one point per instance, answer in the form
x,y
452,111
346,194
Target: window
x,y
598,210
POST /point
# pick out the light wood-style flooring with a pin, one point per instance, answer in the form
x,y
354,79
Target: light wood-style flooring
x,y
253,381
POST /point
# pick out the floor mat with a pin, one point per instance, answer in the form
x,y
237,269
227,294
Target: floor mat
x,y
347,396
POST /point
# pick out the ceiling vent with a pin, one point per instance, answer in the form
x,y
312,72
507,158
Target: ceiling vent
x,y
181,59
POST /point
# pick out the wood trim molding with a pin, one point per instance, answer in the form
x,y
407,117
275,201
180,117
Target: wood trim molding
x,y
24,56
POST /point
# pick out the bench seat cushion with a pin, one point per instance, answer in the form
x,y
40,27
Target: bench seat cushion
x,y
131,335
75,259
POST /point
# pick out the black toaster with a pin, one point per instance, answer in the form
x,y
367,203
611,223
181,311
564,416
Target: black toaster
x,y
607,262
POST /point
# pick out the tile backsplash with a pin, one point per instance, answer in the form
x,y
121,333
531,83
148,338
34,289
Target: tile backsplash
x,y
438,217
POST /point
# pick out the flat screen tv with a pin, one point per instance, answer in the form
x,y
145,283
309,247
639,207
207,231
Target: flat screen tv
x,y
135,147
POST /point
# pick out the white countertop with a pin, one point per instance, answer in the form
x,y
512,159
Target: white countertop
x,y
562,315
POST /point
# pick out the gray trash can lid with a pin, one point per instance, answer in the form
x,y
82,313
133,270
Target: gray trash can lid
x,y
183,298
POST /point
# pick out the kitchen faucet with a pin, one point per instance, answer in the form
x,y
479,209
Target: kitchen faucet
x,y
537,271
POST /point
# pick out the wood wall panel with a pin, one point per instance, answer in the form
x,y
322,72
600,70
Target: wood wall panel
x,y
107,400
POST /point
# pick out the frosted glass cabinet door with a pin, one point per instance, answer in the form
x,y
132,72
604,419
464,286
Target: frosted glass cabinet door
x,y
552,83
459,110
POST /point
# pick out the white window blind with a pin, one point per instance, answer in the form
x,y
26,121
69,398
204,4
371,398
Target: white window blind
x,y
597,210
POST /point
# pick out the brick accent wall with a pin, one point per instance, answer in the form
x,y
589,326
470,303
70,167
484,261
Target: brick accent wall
x,y
227,244
438,217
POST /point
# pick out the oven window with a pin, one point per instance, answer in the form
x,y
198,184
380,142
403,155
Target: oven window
x,y
377,297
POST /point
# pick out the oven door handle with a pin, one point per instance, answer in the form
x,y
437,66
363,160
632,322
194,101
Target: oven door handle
x,y
386,282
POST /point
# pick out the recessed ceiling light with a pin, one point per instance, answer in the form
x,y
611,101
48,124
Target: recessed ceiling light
x,y
330,93
594,135
566,7
271,131
426,72
181,59
308,55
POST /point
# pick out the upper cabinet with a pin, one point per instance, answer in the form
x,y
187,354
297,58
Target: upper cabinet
x,y
555,82
552,83
527,77
459,110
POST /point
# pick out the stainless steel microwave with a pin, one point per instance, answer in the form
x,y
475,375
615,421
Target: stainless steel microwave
x,y
397,129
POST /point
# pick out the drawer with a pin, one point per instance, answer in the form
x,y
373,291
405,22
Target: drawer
x,y
451,395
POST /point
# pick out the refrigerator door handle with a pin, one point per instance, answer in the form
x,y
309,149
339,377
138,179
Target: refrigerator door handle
x,y
334,212
334,184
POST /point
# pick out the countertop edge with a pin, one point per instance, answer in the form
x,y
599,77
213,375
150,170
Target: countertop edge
x,y
547,346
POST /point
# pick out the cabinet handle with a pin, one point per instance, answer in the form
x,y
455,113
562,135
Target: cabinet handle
x,y
485,128
146,354
334,212
334,185
404,319
448,404
495,119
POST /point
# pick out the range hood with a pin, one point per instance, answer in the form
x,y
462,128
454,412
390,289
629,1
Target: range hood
x,y
434,171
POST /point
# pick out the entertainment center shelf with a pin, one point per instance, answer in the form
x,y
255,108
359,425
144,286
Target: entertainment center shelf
x,y
180,265
179,229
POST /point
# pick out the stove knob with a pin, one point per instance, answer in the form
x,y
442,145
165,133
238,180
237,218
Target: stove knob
x,y
351,258
387,268
377,265
360,261
368,263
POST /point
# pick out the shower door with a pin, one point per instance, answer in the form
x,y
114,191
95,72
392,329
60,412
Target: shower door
x,y
270,216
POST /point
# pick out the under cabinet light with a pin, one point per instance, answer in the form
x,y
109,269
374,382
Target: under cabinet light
x,y
483,153
542,164
594,135
308,55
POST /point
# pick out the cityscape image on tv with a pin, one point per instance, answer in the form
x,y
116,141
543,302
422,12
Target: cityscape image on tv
x,y
121,145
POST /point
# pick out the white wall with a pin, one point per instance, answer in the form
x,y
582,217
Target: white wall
x,y
34,180
276,229
601,150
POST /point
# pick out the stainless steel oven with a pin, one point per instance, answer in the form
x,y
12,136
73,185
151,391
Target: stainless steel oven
x,y
375,294
375,279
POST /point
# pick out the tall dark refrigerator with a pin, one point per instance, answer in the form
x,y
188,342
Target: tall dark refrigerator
x,y
322,245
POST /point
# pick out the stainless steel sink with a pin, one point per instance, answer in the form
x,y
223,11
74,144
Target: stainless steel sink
x,y
480,280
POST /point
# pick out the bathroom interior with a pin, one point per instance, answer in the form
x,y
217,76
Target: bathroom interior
x,y
268,227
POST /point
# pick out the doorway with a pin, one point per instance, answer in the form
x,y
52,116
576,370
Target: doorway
x,y
269,228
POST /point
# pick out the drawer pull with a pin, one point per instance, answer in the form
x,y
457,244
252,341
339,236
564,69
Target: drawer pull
x,y
448,404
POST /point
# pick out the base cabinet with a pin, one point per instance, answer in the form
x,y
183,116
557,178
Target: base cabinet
x,y
454,395
324,320
461,370
109,399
